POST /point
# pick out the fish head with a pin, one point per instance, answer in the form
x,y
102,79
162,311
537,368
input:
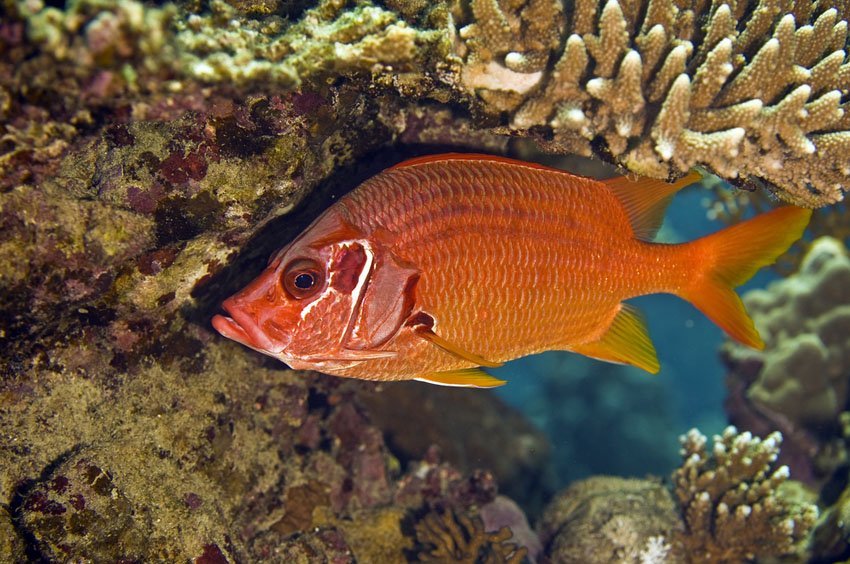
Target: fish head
x,y
314,306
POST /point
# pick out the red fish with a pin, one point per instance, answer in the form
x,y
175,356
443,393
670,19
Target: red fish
x,y
447,263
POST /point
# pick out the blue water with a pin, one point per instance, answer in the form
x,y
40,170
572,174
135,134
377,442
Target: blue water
x,y
608,419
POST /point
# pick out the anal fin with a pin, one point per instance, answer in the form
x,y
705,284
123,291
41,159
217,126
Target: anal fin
x,y
463,378
626,342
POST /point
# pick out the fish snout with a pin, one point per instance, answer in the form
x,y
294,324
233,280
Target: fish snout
x,y
243,327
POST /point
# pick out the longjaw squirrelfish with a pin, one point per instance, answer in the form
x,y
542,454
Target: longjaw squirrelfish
x,y
443,264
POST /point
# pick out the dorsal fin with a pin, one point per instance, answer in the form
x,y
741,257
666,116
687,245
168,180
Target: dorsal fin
x,y
481,157
646,199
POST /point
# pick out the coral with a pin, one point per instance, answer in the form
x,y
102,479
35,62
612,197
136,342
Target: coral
x,y
798,384
109,272
607,520
472,430
732,500
328,40
149,156
755,90
448,535
504,512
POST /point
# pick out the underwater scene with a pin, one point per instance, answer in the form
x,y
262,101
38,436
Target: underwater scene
x,y
391,281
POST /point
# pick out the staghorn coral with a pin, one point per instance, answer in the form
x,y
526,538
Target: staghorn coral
x,y
732,500
755,90
453,536
799,383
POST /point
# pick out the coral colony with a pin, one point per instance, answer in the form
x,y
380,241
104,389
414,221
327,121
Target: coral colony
x,y
150,156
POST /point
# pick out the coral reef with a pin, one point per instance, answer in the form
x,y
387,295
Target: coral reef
x,y
732,501
729,506
110,375
755,90
199,462
150,155
472,431
67,72
331,39
799,383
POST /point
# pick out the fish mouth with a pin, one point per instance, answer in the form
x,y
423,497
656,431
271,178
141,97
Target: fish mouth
x,y
242,329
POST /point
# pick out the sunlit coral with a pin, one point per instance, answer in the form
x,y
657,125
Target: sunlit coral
x,y
731,500
751,89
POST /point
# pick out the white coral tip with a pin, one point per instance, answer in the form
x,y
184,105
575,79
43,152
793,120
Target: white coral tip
x,y
782,472
514,60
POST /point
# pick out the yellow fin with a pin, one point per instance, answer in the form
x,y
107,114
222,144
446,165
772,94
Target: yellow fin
x,y
646,199
626,342
463,378
428,334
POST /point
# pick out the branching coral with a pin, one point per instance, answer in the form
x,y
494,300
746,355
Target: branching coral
x,y
755,90
731,500
452,536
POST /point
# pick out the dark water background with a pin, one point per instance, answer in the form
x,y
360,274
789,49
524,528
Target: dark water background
x,y
608,419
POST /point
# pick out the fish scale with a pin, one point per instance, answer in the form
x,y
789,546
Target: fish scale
x,y
548,225
444,263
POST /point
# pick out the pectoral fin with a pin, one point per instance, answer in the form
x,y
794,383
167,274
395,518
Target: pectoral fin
x,y
351,355
466,378
428,334
626,342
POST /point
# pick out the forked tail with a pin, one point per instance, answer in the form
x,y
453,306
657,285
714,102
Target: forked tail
x,y
732,256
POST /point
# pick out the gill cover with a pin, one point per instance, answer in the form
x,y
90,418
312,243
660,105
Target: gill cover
x,y
380,283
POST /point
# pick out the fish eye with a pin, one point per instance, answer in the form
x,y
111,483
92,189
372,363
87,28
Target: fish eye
x,y
305,280
302,278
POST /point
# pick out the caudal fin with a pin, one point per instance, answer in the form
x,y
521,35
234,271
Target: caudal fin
x,y
732,256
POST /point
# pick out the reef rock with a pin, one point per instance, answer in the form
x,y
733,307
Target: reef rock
x,y
608,519
799,383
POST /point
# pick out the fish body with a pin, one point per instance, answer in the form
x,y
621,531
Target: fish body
x,y
446,263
